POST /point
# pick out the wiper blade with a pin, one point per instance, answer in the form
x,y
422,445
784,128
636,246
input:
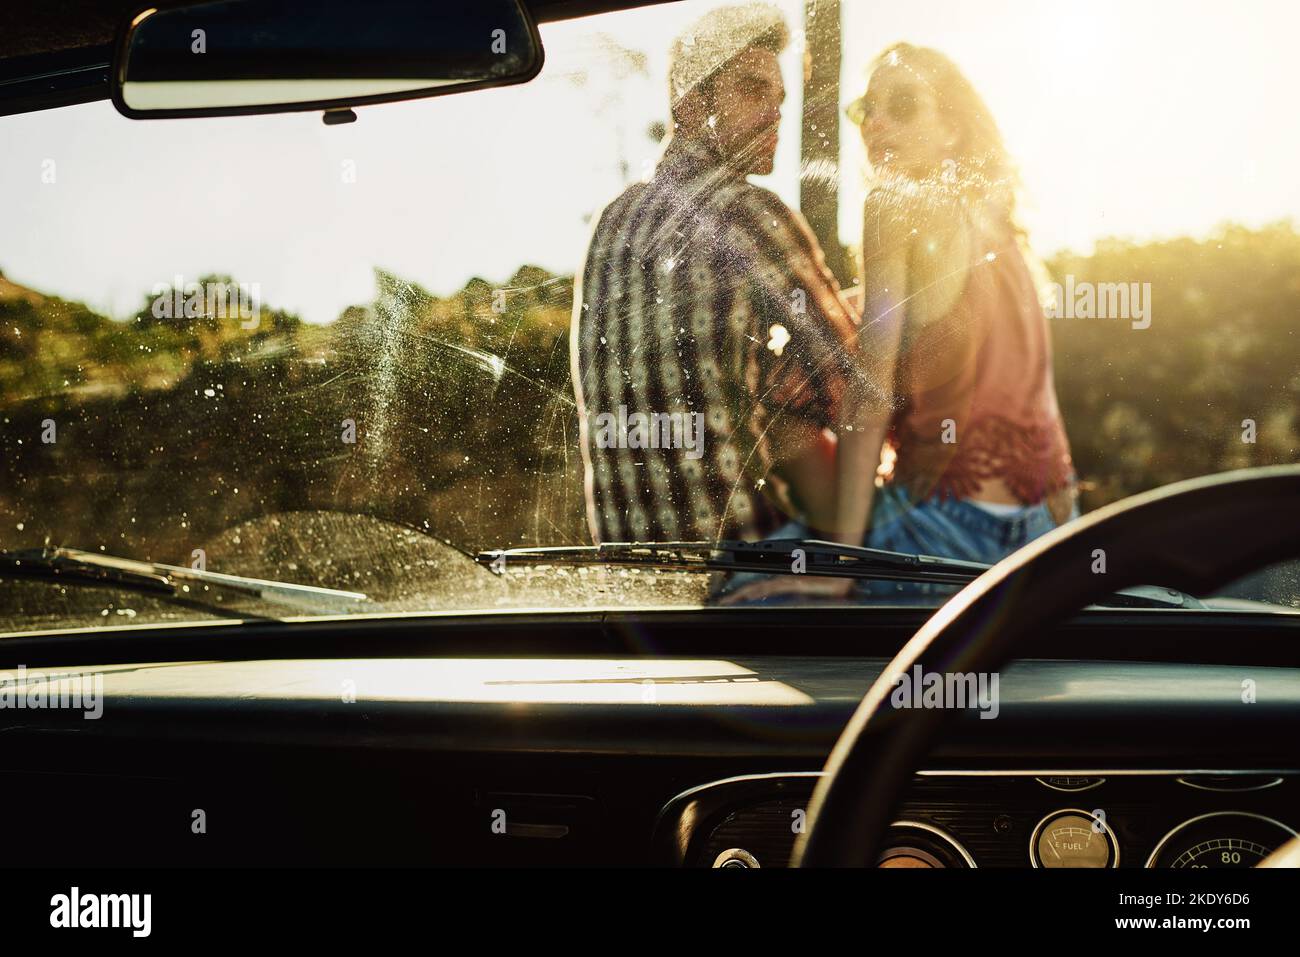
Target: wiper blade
x,y
188,586
774,557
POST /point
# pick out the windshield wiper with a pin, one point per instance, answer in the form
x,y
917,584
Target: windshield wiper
x,y
174,583
776,557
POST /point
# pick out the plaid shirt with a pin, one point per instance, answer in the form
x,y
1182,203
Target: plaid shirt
x,y
701,294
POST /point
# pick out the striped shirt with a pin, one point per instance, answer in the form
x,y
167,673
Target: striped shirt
x,y
704,314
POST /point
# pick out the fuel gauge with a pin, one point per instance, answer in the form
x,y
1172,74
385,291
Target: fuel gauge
x,y
1073,838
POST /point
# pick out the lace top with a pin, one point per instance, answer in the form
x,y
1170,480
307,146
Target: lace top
x,y
979,400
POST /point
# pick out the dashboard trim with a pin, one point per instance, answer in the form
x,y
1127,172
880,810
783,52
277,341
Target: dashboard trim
x,y
1046,782
1015,773
1258,787
1115,772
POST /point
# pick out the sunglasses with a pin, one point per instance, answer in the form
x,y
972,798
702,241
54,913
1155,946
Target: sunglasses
x,y
902,107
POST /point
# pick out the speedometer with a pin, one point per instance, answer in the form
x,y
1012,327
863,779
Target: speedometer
x,y
1222,839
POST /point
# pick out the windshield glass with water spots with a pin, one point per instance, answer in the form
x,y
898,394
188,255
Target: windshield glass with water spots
x,y
863,273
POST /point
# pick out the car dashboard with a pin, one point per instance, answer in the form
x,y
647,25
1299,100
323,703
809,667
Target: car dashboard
x,y
451,743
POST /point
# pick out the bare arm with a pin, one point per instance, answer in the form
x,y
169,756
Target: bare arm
x,y
804,384
805,456
833,477
808,456
869,405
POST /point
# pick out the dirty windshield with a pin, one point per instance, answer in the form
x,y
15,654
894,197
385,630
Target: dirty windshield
x,y
933,278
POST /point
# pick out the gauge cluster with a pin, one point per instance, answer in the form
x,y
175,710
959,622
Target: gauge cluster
x,y
972,819
1073,837
1220,839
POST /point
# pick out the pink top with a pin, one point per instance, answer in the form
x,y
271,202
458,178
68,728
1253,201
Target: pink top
x,y
979,399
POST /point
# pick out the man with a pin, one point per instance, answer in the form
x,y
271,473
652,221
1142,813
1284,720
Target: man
x,y
710,348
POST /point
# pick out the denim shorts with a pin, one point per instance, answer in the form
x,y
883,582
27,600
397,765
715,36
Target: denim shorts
x,y
949,528
953,527
946,527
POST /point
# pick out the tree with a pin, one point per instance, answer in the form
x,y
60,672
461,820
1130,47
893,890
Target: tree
x,y
820,140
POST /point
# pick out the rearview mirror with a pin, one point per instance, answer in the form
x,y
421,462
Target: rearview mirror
x,y
229,57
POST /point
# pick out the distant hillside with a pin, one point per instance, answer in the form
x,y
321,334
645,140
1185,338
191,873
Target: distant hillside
x,y
12,292
171,430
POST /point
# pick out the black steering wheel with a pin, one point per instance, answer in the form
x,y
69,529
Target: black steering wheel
x,y
1194,536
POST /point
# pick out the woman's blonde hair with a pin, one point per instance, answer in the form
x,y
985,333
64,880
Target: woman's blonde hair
x,y
983,168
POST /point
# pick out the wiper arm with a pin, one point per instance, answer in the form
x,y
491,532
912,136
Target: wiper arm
x,y
774,557
188,586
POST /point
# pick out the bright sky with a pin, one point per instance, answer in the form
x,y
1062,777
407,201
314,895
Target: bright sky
x,y
1136,118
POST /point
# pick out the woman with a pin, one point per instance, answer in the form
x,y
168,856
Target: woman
x,y
958,448
975,460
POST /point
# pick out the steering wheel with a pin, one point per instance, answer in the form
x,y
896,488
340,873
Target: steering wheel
x,y
1194,536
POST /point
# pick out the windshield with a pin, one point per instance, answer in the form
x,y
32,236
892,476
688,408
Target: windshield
x,y
892,276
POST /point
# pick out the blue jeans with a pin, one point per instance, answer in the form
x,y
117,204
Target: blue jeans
x,y
952,527
949,528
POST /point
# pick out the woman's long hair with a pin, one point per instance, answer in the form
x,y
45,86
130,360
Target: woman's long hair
x,y
982,170
982,174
